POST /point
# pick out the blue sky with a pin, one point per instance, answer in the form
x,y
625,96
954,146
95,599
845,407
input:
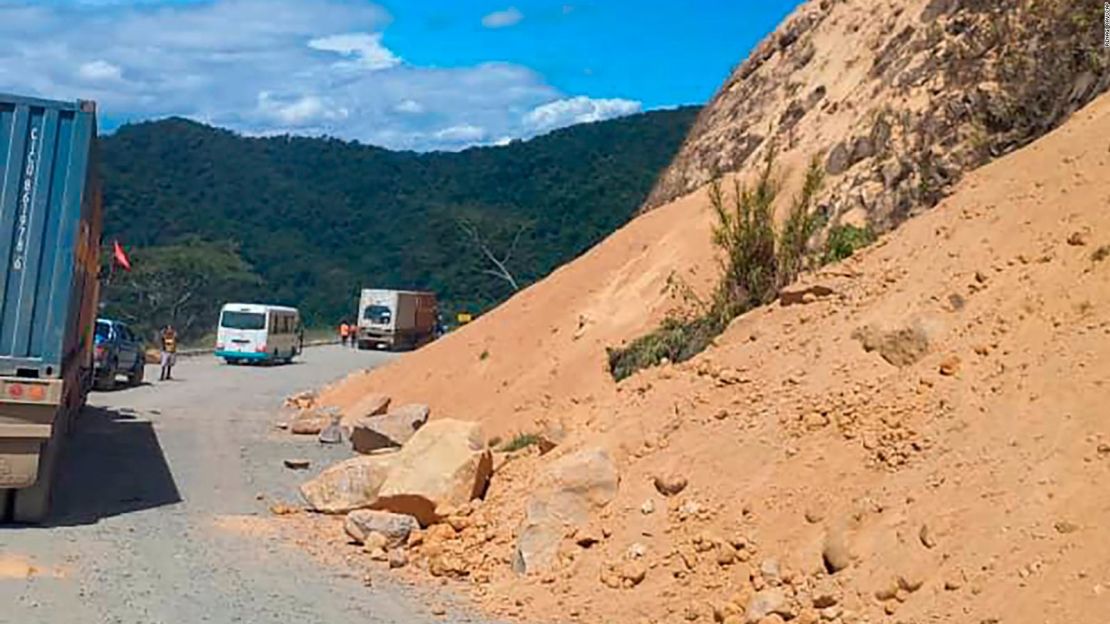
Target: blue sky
x,y
438,74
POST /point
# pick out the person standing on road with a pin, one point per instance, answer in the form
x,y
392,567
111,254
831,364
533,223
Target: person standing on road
x,y
344,332
169,352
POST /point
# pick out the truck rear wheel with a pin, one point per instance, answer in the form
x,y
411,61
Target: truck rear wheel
x,y
7,500
32,505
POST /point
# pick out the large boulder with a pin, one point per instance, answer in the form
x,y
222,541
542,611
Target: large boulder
x,y
313,421
348,485
372,404
575,486
389,430
445,464
394,527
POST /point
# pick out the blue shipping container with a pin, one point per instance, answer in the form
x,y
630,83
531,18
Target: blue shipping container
x,y
50,219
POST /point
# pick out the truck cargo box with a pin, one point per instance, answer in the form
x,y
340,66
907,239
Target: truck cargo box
x,y
396,318
49,234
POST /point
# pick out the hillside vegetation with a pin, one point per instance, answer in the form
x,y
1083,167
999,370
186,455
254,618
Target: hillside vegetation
x,y
310,221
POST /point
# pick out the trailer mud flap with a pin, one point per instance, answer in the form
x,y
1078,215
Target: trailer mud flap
x,y
20,447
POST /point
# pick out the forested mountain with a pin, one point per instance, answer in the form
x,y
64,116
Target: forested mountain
x,y
209,215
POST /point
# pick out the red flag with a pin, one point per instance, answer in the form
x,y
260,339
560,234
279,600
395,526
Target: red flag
x,y
120,256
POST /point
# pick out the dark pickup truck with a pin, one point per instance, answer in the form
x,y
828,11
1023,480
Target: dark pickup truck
x,y
117,352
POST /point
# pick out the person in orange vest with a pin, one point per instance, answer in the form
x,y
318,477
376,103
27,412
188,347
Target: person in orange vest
x,y
344,332
169,352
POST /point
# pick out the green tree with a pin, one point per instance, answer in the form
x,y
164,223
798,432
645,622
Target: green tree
x,y
184,284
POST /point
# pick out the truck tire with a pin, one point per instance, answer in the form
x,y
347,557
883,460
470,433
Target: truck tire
x,y
32,505
7,502
107,378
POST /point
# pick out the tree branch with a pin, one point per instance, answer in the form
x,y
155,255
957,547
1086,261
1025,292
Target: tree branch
x,y
502,271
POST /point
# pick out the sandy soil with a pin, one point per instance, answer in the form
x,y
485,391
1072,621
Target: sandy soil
x,y
975,474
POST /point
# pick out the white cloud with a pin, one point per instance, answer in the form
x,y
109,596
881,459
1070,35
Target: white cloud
x,y
365,48
576,110
503,19
464,133
100,71
409,106
263,67
300,111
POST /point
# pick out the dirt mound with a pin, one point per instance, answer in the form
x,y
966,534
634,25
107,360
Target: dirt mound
x,y
915,432
824,481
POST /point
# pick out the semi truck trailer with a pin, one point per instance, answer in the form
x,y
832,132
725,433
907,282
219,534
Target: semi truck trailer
x,y
396,319
50,222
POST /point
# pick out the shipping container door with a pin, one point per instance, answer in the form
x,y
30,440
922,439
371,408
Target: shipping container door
x,y
44,153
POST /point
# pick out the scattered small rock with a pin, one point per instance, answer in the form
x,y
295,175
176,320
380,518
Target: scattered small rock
x,y
332,434
587,536
394,527
281,509
315,420
1064,527
297,464
901,346
1077,239
926,537
950,366
835,553
771,601
552,436
398,558
887,592
770,569
374,542
825,594
648,507
726,554
910,580
670,484
814,514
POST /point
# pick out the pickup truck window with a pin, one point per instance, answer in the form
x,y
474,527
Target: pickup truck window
x,y
103,330
243,320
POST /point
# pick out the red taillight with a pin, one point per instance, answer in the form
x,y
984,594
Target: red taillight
x,y
100,353
260,348
26,392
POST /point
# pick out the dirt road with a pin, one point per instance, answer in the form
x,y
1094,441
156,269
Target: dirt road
x,y
158,520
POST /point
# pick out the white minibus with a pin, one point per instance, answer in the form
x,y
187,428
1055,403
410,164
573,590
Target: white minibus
x,y
255,332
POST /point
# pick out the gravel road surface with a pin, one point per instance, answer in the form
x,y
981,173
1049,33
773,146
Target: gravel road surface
x,y
156,514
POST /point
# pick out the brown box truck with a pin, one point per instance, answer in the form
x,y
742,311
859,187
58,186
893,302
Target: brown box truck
x,y
50,221
396,319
